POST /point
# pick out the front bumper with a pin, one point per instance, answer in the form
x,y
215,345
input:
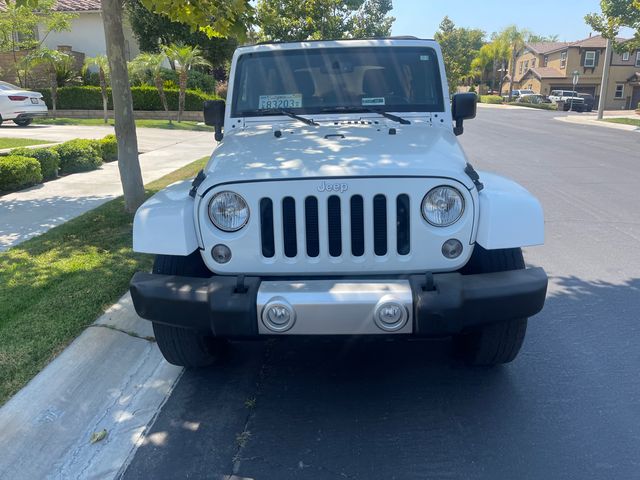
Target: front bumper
x,y
439,304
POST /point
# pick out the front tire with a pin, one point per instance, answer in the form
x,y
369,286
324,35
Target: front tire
x,y
494,343
24,122
183,346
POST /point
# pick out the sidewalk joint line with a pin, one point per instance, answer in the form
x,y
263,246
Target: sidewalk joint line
x,y
127,332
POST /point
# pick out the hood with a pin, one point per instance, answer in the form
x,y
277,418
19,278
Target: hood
x,y
356,149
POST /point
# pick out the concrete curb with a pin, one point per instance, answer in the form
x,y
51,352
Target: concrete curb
x,y
113,378
597,123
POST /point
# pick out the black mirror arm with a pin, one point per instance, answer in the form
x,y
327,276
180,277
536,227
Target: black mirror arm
x,y
458,129
218,133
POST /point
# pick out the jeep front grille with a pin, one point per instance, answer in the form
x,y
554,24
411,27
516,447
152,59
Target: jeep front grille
x,y
358,227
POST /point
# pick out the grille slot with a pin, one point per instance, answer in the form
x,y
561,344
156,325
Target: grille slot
x,y
403,232
311,226
357,226
296,227
289,227
334,225
266,228
380,225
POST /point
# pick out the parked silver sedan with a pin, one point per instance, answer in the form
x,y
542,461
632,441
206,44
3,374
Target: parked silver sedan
x,y
20,105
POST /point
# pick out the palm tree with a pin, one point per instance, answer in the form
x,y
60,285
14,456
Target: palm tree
x,y
102,63
515,39
184,57
54,62
482,60
152,63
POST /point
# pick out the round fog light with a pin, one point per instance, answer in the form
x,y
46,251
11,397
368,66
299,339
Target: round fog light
x,y
390,316
278,315
452,248
221,253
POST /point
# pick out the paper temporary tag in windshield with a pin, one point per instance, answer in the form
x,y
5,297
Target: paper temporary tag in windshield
x,y
372,101
288,100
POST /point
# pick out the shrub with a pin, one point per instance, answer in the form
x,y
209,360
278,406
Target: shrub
x,y
108,148
48,158
221,89
144,98
18,172
79,156
491,99
541,106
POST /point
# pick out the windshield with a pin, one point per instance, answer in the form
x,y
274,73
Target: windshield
x,y
8,86
395,79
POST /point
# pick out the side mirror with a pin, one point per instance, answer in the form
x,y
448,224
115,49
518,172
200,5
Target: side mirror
x,y
463,107
214,116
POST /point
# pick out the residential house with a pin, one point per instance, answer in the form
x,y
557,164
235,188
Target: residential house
x,y
543,67
85,38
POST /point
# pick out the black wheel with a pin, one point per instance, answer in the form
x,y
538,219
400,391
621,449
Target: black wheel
x,y
182,346
25,122
494,343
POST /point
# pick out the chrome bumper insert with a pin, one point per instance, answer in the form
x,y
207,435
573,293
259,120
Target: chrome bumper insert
x,y
334,307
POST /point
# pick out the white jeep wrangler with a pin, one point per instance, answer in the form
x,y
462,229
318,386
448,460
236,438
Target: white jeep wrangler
x,y
339,203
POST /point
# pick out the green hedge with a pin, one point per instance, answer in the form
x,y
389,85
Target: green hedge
x,y
48,158
78,156
491,99
18,172
108,148
540,106
144,98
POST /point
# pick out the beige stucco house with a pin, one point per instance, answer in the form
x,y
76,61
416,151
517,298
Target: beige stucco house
x,y
543,67
85,38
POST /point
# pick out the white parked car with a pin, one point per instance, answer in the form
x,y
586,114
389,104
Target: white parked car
x,y
339,202
20,105
571,99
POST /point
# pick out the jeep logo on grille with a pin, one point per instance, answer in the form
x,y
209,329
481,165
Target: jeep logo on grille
x,y
333,187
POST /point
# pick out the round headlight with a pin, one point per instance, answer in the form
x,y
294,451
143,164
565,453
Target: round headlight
x,y
228,211
442,206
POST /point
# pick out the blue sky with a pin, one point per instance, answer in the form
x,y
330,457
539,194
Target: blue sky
x,y
545,17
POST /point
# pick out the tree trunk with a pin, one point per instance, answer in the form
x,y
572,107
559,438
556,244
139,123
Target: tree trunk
x,y
494,73
181,94
105,97
163,97
512,72
128,162
54,95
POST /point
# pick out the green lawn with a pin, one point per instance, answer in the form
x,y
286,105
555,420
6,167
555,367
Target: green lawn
x,y
139,123
20,142
55,285
624,121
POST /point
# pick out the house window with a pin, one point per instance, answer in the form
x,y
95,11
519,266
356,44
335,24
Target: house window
x,y
530,86
638,58
533,63
625,56
563,60
546,60
619,91
526,65
590,59
520,68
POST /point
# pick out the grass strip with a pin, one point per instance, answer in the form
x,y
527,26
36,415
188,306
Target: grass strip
x,y
142,123
55,285
21,142
624,121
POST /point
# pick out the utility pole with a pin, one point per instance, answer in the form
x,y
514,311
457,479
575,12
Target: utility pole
x,y
605,79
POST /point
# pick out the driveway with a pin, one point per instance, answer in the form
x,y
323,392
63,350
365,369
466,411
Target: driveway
x,y
33,211
568,407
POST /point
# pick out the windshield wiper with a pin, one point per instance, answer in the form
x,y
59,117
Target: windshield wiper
x,y
390,116
290,114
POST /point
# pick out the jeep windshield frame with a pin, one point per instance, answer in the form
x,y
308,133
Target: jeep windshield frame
x,y
337,80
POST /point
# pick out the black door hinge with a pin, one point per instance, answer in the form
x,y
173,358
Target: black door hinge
x,y
473,175
196,183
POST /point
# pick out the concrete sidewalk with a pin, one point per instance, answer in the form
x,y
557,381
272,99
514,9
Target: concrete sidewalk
x,y
112,378
33,211
591,119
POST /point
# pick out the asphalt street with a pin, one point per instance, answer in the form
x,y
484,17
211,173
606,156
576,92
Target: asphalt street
x,y
568,407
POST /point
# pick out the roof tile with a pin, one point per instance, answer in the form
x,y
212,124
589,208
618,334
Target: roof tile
x,y
69,5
